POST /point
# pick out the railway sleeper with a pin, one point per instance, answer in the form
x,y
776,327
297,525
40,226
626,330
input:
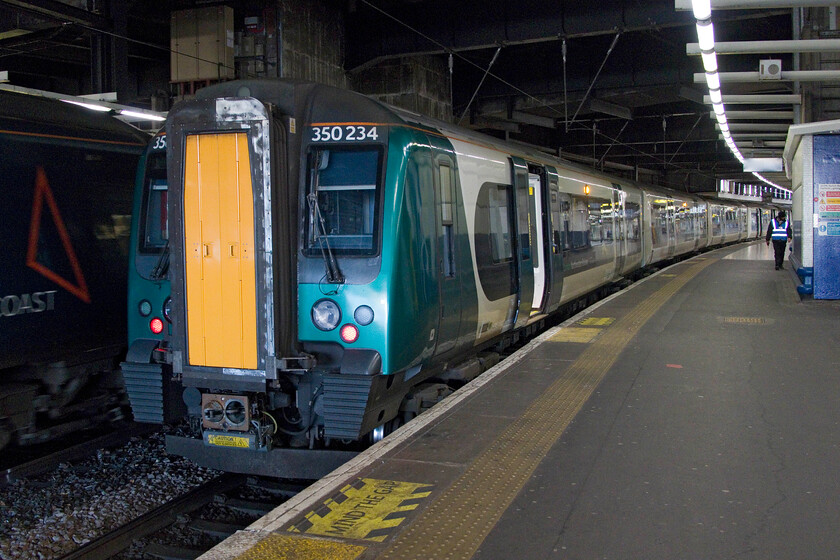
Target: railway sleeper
x,y
218,529
166,552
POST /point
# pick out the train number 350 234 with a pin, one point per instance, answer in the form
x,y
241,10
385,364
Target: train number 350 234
x,y
347,133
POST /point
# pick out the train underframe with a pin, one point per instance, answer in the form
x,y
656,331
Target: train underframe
x,y
290,428
305,424
45,402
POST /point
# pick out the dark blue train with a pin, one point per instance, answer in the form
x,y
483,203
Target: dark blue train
x,y
66,180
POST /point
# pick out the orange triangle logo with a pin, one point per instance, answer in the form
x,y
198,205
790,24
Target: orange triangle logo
x,y
43,193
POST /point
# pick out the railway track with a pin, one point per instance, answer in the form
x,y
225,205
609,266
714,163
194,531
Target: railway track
x,y
188,526
36,462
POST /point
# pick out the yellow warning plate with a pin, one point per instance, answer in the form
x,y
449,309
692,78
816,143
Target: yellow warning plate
x,y
367,509
576,334
220,440
291,547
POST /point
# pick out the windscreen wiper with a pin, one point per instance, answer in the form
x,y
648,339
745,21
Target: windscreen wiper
x,y
162,265
334,275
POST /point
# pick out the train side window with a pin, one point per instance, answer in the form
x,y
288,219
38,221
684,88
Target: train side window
x,y
595,226
659,222
632,214
566,217
493,242
556,223
579,223
501,218
716,224
446,219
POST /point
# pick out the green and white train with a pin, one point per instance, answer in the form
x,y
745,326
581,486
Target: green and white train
x,y
333,260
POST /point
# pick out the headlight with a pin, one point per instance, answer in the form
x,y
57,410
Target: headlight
x,y
145,308
326,315
363,315
167,309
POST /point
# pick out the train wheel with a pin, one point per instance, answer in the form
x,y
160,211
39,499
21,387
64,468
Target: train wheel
x,y
377,434
380,432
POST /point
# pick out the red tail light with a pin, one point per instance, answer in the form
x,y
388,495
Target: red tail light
x,y
156,325
349,333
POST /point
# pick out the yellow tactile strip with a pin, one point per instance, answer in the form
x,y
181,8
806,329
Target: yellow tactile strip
x,y
456,523
288,547
576,334
597,321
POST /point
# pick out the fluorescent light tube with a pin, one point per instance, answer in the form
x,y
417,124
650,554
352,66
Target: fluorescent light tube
x,y
702,8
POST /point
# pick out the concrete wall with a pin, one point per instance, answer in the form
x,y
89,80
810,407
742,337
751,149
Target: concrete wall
x,y
419,84
312,41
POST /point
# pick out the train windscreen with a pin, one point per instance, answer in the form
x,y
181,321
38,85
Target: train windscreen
x,y
343,187
155,225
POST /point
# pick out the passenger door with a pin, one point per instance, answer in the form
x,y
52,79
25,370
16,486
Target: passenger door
x,y
620,227
554,241
520,309
219,251
537,190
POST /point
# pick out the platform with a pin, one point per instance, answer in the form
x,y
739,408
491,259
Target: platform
x,y
693,415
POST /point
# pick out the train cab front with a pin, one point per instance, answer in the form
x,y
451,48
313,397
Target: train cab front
x,y
274,264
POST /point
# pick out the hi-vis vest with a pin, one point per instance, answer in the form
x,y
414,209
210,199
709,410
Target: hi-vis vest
x,y
779,230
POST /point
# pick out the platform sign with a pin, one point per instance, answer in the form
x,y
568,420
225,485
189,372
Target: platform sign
x,y
827,213
828,209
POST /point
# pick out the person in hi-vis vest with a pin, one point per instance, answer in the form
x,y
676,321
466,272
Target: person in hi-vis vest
x,y
780,233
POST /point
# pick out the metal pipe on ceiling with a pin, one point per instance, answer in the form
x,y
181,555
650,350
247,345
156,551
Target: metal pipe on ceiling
x,y
764,144
758,99
786,76
685,5
767,47
757,127
756,136
751,152
756,115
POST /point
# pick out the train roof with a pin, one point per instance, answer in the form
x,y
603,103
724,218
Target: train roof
x,y
50,118
325,103
532,154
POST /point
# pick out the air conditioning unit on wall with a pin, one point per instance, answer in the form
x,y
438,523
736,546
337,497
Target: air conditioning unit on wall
x,y
770,69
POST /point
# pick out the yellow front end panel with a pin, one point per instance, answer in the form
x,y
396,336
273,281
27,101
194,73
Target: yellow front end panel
x,y
219,251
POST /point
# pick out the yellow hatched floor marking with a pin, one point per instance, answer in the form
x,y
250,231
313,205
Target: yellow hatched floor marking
x,y
745,320
367,509
576,334
455,524
597,321
289,547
